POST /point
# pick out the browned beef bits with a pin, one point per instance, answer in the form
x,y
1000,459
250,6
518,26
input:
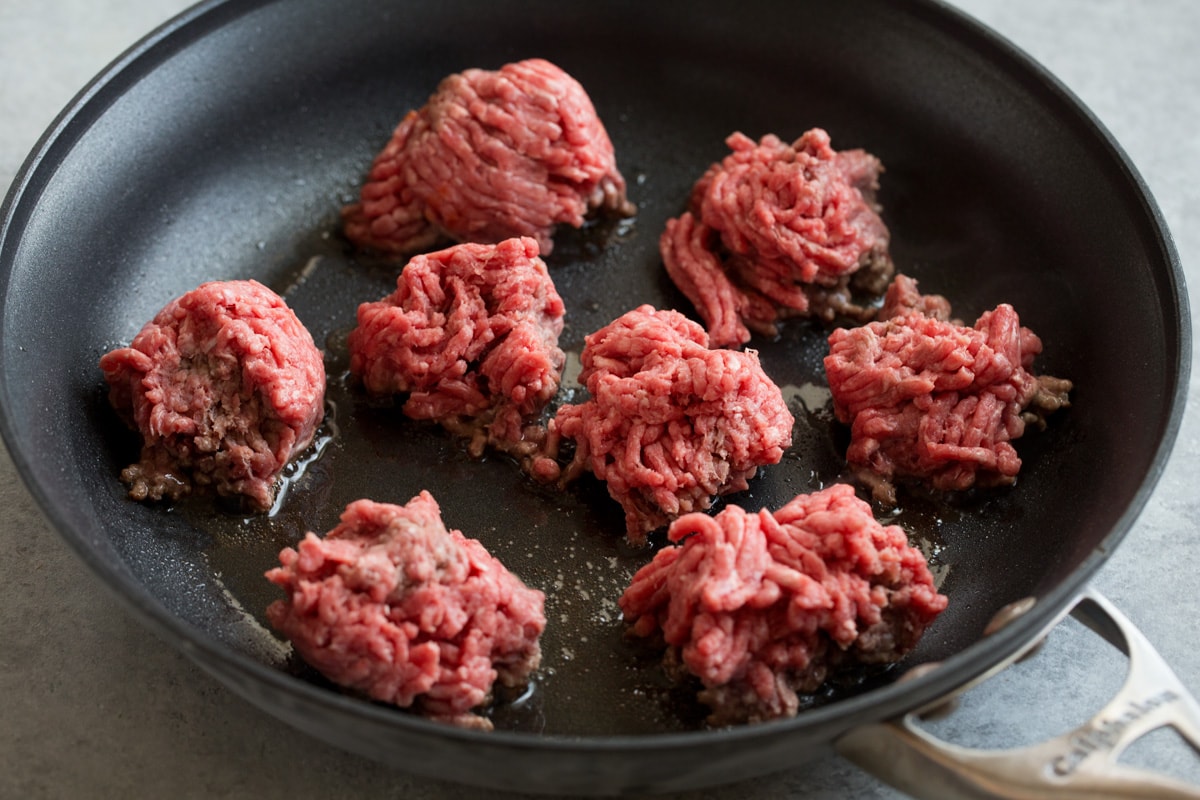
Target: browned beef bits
x,y
492,155
225,387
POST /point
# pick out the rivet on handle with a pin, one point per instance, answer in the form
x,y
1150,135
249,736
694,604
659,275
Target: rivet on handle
x,y
1009,614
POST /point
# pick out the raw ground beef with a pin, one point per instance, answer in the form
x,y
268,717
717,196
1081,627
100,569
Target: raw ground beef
x,y
391,604
471,336
763,607
225,386
778,230
929,398
492,155
670,423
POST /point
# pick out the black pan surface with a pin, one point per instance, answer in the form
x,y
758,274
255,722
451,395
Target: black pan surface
x,y
223,146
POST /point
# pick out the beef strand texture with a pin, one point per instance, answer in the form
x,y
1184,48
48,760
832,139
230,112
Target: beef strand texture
x,y
777,230
471,336
670,423
225,386
492,155
762,607
393,605
932,399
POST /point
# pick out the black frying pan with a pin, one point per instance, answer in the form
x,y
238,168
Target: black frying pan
x,y
224,146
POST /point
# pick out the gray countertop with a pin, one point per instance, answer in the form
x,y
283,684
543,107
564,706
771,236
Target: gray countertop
x,y
92,704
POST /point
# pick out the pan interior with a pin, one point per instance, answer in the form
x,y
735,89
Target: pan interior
x,y
226,149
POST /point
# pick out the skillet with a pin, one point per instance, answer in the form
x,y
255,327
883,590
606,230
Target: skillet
x,y
212,190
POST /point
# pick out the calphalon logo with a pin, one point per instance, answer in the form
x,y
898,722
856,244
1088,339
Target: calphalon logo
x,y
1105,734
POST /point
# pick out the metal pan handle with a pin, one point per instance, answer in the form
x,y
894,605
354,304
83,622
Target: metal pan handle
x,y
1077,765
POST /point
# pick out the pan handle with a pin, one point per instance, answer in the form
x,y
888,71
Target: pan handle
x,y
1077,765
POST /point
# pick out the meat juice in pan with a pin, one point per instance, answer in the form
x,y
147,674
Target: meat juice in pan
x,y
567,543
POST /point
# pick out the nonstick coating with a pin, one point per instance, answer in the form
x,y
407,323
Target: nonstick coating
x,y
223,146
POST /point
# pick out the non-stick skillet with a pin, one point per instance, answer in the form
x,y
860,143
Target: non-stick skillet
x,y
223,146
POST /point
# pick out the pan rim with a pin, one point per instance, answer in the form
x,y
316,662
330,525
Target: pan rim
x,y
888,701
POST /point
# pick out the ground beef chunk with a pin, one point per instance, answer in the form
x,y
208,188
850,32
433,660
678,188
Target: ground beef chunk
x,y
225,386
929,398
904,298
763,607
394,606
670,423
491,156
778,230
471,335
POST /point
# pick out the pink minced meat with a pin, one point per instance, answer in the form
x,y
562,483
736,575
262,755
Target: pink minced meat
x,y
393,605
764,607
492,155
225,386
670,423
932,399
471,336
778,230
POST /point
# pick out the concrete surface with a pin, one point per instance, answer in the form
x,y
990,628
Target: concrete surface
x,y
93,705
